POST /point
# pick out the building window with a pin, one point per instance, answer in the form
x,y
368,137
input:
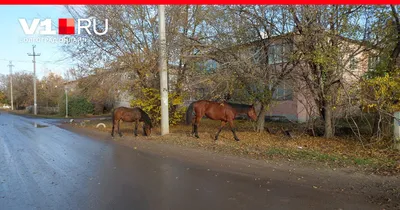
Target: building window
x,y
277,53
210,65
372,62
353,64
256,55
283,93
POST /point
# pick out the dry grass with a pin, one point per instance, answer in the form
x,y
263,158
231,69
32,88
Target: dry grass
x,y
331,152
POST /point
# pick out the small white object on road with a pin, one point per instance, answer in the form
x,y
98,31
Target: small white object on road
x,y
101,124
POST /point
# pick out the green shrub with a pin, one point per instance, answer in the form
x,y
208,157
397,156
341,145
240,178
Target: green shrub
x,y
150,102
77,106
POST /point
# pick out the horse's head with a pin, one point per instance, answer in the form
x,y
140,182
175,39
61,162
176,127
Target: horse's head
x,y
252,113
147,129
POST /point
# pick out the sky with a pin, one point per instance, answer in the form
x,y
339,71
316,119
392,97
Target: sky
x,y
14,47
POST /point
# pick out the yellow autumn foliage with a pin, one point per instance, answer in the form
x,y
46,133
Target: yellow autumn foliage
x,y
150,102
382,93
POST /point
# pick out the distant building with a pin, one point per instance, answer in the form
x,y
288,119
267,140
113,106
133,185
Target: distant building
x,y
292,100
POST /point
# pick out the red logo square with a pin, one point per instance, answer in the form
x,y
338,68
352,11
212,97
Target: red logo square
x,y
66,26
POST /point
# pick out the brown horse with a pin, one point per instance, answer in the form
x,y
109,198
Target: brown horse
x,y
131,115
225,112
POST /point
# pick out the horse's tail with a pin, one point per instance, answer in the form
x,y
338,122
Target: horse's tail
x,y
189,114
113,115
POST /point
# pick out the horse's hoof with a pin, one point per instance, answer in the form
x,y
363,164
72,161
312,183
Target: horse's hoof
x,y
237,139
216,138
197,136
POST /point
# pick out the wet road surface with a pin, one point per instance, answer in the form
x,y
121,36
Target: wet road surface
x,y
46,167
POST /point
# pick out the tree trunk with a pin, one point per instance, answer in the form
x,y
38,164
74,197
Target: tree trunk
x,y
376,130
261,119
328,133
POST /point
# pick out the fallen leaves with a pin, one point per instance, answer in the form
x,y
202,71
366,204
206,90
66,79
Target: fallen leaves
x,y
335,153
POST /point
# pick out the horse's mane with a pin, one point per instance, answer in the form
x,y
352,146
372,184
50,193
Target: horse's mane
x,y
145,117
240,107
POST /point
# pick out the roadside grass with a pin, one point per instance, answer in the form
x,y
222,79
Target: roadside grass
x,y
337,152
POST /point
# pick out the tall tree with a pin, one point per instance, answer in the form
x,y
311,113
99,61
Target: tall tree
x,y
50,88
381,84
130,47
240,39
3,98
22,89
324,40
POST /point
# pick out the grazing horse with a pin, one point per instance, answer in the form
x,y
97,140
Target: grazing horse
x,y
225,112
131,115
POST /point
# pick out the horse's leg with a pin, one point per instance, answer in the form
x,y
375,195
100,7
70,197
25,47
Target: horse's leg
x,y
112,131
119,132
220,128
193,121
195,126
136,125
233,130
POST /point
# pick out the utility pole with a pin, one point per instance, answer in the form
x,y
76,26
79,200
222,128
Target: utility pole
x,y
34,77
66,102
163,72
11,85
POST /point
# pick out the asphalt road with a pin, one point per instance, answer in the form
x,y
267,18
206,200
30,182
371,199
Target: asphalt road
x,y
43,166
